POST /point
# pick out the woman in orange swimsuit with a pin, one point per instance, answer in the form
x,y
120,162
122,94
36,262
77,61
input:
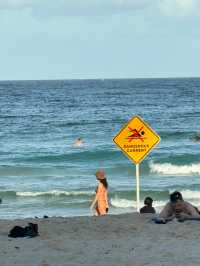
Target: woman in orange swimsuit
x,y
100,202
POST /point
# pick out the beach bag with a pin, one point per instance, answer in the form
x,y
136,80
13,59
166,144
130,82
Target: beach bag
x,y
28,231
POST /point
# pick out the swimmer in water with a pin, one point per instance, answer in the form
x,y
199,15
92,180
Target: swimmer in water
x,y
195,138
78,143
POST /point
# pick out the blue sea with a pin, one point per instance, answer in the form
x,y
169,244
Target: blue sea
x,y
42,173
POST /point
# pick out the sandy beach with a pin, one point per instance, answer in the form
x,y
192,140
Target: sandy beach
x,y
118,240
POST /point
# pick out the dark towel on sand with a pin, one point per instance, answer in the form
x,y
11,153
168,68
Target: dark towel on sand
x,y
31,231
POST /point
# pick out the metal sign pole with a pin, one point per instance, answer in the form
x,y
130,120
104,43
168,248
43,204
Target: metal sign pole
x,y
138,186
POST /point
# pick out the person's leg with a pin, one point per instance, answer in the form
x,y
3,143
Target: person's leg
x,y
97,211
102,208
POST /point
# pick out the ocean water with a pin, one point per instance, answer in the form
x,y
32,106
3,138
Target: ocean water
x,y
41,173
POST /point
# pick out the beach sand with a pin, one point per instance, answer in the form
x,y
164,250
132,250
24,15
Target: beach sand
x,y
114,240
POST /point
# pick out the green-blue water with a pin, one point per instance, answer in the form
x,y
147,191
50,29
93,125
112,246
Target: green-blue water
x,y
42,173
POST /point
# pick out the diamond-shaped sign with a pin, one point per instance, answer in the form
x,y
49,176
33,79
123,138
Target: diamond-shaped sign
x,y
136,139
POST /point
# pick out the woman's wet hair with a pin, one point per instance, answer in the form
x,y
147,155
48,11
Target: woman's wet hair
x,y
176,196
104,182
148,201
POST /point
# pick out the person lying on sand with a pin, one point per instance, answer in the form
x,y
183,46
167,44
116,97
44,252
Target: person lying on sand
x,y
178,208
148,201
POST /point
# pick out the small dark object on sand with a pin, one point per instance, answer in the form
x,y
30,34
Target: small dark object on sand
x,y
159,220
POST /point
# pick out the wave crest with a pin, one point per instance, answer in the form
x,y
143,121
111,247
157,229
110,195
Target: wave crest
x,y
191,194
172,169
53,193
124,203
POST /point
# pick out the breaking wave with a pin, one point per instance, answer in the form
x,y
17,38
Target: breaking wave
x,y
54,193
124,203
172,169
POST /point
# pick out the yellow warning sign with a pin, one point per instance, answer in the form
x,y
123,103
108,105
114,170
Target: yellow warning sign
x,y
136,139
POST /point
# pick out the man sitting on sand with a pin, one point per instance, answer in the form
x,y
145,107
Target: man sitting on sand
x,y
178,208
148,206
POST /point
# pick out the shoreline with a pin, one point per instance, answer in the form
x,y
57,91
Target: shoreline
x,y
114,240
41,217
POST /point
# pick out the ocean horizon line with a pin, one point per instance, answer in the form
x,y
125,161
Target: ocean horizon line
x,y
100,78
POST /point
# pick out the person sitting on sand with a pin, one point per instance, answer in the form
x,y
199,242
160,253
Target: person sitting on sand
x,y
178,208
148,201
78,143
100,202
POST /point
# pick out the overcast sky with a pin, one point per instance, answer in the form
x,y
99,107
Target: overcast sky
x,y
48,39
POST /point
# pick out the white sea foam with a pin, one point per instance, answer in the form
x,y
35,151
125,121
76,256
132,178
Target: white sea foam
x,y
53,193
190,194
124,203
172,169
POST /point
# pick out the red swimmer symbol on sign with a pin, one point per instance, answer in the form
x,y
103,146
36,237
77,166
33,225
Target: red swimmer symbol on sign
x,y
136,134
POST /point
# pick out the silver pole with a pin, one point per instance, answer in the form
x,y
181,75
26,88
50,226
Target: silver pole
x,y
138,187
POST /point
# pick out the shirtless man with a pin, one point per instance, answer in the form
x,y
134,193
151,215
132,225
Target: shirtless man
x,y
177,208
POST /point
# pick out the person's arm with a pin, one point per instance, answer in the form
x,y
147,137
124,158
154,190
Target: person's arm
x,y
93,203
192,210
189,211
167,212
106,196
95,199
